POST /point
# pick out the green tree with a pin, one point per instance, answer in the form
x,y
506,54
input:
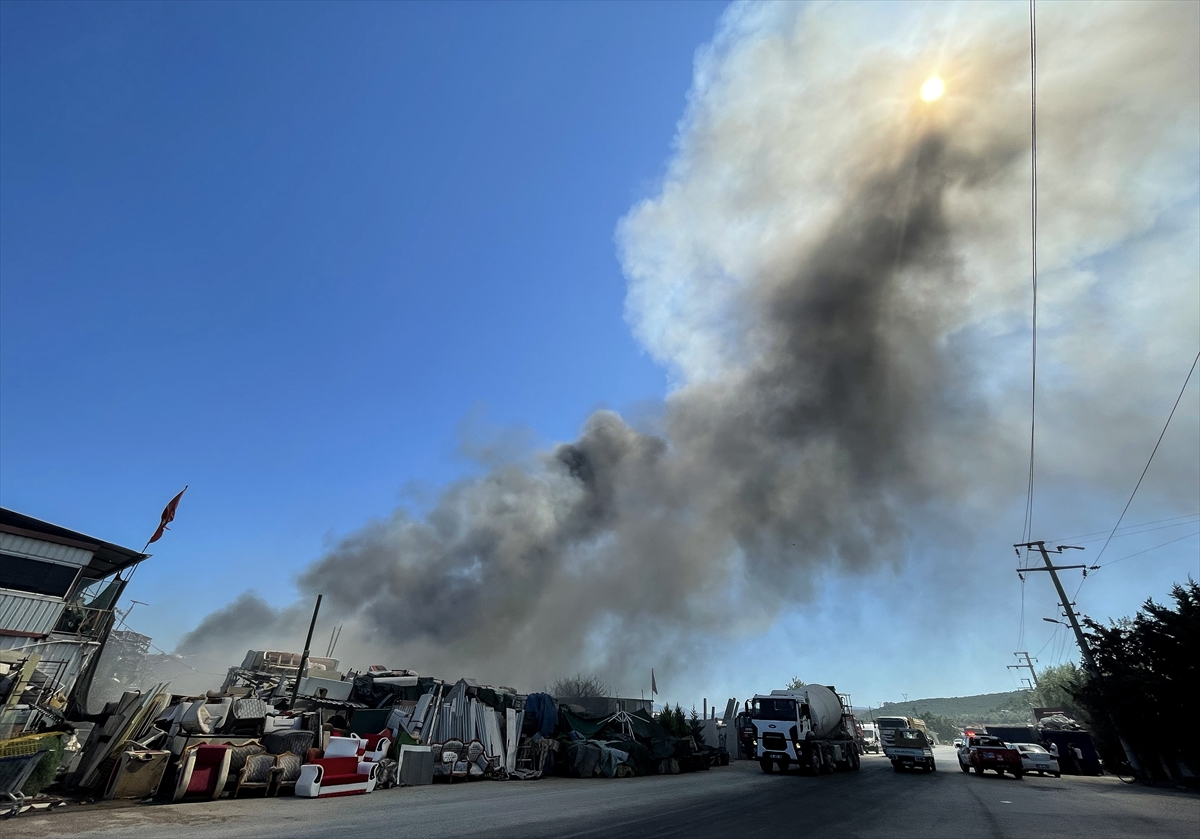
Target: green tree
x,y
1056,688
943,727
1146,684
680,728
666,718
695,726
795,684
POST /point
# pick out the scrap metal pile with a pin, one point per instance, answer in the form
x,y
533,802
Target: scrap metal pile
x,y
272,729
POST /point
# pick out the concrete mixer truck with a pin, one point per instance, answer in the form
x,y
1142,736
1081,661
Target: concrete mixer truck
x,y
808,727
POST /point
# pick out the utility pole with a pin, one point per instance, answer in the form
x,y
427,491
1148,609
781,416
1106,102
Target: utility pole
x,y
1089,662
1068,612
1028,665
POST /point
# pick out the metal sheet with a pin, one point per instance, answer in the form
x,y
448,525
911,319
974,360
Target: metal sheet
x,y
61,660
28,613
10,543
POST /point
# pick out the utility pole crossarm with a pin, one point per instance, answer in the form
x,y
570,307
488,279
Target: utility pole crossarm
x,y
1026,665
1051,568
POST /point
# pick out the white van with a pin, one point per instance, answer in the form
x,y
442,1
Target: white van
x,y
870,737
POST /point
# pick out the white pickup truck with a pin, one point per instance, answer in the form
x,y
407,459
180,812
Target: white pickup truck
x,y
909,749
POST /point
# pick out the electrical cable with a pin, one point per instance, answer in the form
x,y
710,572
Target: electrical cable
x,y
1191,370
1126,527
1133,532
1027,528
1053,635
1147,550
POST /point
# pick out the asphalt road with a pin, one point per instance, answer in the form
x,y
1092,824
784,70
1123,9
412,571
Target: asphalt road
x,y
733,801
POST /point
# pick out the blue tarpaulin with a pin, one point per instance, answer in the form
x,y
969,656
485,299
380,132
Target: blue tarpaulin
x,y
541,707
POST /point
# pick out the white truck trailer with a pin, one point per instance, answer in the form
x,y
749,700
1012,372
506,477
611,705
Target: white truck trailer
x,y
809,727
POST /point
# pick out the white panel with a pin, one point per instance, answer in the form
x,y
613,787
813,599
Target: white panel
x,y
37,549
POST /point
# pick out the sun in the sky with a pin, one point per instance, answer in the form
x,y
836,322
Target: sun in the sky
x,y
932,89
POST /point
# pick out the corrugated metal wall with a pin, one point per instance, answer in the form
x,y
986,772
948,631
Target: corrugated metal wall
x,y
28,613
24,546
61,661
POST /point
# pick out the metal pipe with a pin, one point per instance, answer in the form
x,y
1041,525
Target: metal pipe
x,y
304,655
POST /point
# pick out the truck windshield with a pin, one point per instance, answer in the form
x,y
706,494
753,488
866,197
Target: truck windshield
x,y
892,722
774,709
911,738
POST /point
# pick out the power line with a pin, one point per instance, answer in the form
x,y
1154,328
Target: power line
x,y
1053,635
1147,550
1126,527
1027,529
1191,370
1132,532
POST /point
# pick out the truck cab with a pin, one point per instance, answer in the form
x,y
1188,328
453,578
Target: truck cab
x,y
888,726
780,725
910,749
787,732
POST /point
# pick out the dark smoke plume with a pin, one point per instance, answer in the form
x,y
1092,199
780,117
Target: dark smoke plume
x,y
809,457
846,400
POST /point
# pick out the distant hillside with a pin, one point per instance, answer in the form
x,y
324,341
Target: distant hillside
x,y
996,708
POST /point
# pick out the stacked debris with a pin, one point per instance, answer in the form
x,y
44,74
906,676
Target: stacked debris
x,y
274,727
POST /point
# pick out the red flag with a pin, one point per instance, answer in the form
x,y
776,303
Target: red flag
x,y
168,516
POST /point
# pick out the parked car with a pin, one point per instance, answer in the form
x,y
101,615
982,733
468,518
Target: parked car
x,y
959,742
1036,759
982,753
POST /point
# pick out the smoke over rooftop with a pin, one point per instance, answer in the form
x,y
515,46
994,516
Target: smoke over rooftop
x,y
829,271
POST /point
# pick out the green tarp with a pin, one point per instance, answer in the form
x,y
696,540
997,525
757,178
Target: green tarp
x,y
589,727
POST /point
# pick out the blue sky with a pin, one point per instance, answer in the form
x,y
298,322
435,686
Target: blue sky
x,y
306,258
283,253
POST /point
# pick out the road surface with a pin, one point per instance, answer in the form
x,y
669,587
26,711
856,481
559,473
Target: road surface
x,y
734,801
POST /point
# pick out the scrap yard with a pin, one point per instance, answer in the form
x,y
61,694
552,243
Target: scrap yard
x,y
301,746
587,420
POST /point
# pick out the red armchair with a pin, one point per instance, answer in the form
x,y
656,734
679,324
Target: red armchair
x,y
202,772
374,747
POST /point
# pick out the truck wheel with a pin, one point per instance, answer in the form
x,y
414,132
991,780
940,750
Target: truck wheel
x,y
827,762
855,762
766,766
814,761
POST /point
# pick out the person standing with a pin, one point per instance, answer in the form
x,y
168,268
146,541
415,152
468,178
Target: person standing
x,y
1053,749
